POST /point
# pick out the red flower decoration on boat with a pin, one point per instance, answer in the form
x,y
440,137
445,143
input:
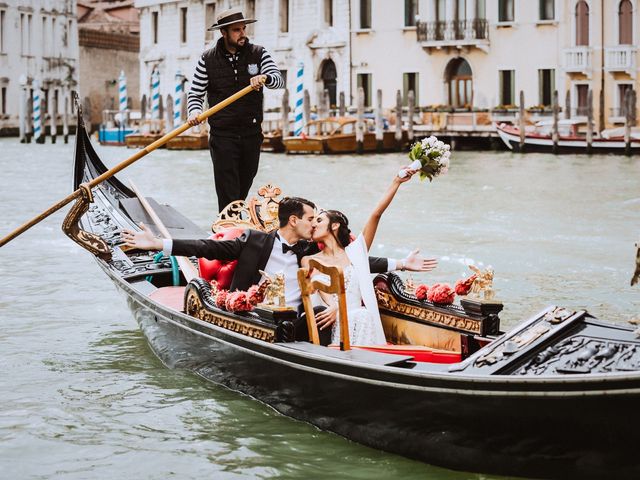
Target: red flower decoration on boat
x,y
255,294
463,286
221,298
237,302
422,291
441,293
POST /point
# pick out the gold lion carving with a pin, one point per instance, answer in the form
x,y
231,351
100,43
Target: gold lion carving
x,y
274,295
483,283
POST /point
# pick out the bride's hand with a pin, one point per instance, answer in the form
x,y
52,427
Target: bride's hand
x,y
405,174
327,317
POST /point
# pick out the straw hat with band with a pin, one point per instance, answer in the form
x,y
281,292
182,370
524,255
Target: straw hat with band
x,y
229,17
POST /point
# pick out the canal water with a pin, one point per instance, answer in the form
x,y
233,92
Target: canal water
x,y
82,396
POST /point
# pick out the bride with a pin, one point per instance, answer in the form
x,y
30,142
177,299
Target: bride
x,y
331,228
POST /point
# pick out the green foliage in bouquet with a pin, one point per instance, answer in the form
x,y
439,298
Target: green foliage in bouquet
x,y
428,158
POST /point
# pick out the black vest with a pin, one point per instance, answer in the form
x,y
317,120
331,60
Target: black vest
x,y
244,116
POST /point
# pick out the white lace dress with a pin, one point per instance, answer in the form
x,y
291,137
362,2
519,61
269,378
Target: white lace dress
x,y
365,327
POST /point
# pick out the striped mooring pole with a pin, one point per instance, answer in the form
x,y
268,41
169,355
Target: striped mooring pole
x,y
298,123
177,100
155,94
37,113
122,97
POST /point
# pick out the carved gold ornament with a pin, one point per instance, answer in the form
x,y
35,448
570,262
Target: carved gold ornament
x,y
482,285
274,295
409,286
89,241
258,213
388,302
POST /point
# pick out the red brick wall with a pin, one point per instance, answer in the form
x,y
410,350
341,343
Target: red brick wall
x,y
112,41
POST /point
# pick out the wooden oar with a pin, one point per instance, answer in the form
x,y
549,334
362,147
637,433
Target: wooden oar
x,y
122,165
188,270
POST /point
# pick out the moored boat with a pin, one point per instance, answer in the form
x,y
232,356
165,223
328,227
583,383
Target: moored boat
x,y
189,141
115,127
539,139
148,132
554,397
272,132
335,135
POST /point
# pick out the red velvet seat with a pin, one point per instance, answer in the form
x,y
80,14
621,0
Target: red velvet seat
x,y
418,352
220,270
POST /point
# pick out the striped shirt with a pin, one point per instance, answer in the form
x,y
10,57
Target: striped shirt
x,y
195,97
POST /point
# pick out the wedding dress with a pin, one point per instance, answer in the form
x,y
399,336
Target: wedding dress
x,y
365,327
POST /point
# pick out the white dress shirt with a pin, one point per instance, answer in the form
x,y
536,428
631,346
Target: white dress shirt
x,y
286,263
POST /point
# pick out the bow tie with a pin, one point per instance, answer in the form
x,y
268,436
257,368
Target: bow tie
x,y
291,248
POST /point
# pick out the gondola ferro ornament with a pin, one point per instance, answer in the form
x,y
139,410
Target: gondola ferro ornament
x,y
89,241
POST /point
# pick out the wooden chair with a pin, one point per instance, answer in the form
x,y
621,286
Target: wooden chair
x,y
336,285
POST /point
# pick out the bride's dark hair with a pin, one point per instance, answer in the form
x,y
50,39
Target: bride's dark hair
x,y
343,235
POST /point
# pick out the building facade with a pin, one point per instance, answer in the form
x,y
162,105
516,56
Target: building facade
x,y
173,35
479,54
38,42
454,54
109,43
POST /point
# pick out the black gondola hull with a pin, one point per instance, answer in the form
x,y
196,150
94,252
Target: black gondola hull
x,y
500,421
447,422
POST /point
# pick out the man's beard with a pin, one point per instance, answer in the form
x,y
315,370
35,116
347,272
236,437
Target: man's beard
x,y
237,44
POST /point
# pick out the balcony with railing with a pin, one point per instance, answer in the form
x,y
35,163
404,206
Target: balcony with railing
x,y
621,58
456,33
578,60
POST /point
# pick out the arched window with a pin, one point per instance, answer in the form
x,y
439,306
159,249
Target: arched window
x,y
625,23
459,80
582,23
329,77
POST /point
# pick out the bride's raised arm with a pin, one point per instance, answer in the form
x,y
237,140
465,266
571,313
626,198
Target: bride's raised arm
x,y
369,231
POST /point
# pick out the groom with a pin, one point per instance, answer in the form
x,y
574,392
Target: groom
x,y
278,251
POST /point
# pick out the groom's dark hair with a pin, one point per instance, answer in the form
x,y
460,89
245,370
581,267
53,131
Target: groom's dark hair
x,y
292,206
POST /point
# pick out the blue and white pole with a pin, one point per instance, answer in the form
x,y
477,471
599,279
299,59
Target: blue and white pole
x,y
122,97
155,94
37,112
177,100
298,122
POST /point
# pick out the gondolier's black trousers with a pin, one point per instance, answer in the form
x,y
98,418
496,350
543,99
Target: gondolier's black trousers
x,y
235,164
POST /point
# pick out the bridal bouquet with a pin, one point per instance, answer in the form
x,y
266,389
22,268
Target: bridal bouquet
x,y
431,156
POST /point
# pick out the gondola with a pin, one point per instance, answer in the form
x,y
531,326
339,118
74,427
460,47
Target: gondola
x,y
553,397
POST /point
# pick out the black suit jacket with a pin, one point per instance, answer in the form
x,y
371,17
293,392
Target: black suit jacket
x,y
252,250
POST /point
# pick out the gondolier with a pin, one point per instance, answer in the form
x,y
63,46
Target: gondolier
x,y
236,132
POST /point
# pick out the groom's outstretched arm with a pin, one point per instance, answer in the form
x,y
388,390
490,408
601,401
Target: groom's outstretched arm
x,y
380,265
211,249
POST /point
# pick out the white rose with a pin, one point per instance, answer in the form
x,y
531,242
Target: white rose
x,y
447,148
445,162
